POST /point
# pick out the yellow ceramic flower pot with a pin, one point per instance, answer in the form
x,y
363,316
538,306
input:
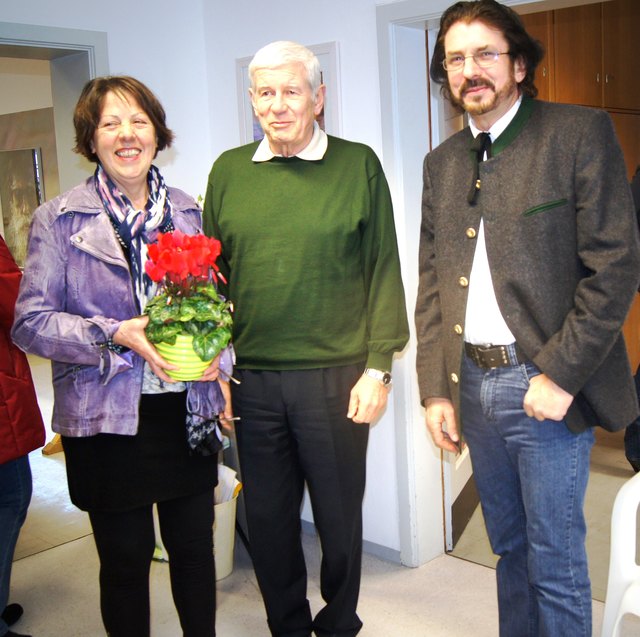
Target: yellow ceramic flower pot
x,y
182,354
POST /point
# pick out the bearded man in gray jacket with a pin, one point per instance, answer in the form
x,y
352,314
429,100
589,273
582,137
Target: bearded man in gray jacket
x,y
529,262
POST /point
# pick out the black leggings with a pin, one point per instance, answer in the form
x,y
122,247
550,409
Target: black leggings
x,y
126,541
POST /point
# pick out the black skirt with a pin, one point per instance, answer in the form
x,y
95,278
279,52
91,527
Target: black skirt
x,y
110,472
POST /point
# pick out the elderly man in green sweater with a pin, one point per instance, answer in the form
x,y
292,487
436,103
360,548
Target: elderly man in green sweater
x,y
311,260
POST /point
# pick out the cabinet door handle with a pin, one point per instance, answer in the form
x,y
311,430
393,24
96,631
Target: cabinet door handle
x,y
598,78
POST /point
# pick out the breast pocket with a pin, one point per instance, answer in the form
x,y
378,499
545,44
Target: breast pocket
x,y
545,207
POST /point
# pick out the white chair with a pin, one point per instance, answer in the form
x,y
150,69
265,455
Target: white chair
x,y
623,587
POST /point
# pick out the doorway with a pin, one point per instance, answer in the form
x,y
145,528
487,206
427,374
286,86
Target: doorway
x,y
73,57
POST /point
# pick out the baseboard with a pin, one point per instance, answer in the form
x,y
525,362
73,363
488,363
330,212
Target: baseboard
x,y
371,548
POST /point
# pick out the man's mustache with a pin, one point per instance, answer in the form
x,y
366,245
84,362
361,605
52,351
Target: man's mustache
x,y
469,84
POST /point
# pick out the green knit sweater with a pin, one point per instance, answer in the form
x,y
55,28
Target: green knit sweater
x,y
310,255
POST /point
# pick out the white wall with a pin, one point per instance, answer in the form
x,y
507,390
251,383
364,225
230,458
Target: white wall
x,y
160,44
186,53
350,24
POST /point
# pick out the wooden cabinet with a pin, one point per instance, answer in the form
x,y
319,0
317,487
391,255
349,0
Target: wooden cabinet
x,y
540,26
577,33
590,59
621,30
596,63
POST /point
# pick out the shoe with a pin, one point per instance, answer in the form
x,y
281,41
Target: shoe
x,y
11,614
635,465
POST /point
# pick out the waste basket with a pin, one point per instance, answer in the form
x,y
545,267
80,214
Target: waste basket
x,y
224,534
224,526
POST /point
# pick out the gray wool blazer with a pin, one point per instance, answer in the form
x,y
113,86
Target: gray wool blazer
x,y
562,243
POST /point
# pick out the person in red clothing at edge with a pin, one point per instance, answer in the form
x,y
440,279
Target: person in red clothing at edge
x,y
21,431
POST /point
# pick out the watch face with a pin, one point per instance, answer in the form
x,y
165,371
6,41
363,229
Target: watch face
x,y
386,379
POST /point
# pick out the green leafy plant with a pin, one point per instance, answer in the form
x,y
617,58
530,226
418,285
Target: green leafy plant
x,y
184,266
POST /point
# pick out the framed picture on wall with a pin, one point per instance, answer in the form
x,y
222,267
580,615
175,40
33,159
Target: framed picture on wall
x,y
329,119
21,192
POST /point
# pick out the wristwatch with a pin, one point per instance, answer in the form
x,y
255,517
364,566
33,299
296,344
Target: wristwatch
x,y
383,377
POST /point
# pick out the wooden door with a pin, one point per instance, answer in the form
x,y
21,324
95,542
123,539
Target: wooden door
x,y
631,331
540,26
621,30
577,36
627,127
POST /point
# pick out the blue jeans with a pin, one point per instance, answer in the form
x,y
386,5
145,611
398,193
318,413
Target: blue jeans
x,y
531,477
15,495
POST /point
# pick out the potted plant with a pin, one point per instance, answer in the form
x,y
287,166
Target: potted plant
x,y
189,322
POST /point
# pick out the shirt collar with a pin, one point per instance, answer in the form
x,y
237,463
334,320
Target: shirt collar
x,y
498,127
313,151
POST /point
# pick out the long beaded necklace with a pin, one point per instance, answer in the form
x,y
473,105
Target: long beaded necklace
x,y
118,237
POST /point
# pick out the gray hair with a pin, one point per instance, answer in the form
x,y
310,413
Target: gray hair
x,y
284,52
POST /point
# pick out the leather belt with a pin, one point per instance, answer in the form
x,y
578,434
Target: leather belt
x,y
490,356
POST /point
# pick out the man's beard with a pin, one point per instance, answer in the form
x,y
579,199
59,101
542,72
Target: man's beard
x,y
485,103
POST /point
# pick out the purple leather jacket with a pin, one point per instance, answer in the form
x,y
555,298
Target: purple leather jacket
x,y
75,292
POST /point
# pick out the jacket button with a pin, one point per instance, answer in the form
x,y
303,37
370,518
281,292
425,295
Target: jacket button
x,y
454,378
457,329
471,233
463,281
77,239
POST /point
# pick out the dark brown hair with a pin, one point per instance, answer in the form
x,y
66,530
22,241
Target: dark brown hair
x,y
495,16
89,108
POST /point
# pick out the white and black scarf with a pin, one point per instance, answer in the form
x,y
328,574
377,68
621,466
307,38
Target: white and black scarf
x,y
136,228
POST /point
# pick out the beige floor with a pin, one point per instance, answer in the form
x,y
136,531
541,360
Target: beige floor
x,y
56,567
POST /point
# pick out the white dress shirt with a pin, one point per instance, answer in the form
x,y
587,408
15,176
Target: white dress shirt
x,y
484,324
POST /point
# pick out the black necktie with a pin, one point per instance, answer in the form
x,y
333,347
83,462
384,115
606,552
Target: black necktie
x,y
480,145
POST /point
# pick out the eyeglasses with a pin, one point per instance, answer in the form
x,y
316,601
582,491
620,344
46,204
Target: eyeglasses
x,y
484,59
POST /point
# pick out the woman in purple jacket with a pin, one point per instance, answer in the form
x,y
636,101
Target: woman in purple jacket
x,y
123,421
21,431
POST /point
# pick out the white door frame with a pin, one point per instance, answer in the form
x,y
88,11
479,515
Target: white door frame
x,y
75,56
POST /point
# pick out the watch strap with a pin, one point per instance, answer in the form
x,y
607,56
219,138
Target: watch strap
x,y
378,374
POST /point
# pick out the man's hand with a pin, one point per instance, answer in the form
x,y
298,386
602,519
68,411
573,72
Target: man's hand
x,y
368,398
131,334
442,425
545,400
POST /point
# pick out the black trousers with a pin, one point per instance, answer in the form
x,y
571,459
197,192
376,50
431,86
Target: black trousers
x,y
293,429
126,540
